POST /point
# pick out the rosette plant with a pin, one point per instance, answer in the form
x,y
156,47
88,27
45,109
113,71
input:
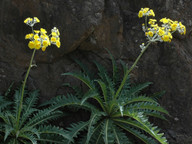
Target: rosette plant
x,y
113,112
21,120
117,108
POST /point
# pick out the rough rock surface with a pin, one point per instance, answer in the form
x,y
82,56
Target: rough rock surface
x,y
89,26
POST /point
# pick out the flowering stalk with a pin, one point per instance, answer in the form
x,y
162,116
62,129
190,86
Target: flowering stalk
x,y
38,40
154,33
23,88
132,67
145,22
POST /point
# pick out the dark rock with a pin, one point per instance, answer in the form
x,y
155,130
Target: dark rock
x,y
89,26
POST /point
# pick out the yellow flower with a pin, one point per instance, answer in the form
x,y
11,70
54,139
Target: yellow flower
x,y
31,45
151,13
170,35
39,38
173,26
36,31
31,21
170,21
154,32
45,43
145,10
28,20
36,36
43,48
182,28
152,21
36,19
53,39
43,36
58,33
43,31
29,36
58,44
165,20
161,32
150,33
184,31
155,26
140,14
37,44
180,24
167,37
54,34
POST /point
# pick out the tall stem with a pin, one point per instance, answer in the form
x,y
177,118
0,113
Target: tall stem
x,y
23,89
128,71
146,22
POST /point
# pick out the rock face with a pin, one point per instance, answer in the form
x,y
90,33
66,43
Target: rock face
x,y
89,26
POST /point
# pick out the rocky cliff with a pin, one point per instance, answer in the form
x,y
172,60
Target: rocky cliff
x,y
89,26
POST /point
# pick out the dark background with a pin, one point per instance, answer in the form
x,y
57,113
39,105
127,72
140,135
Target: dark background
x,y
89,26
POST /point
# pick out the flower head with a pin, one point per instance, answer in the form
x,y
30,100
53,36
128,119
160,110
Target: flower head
x,y
146,12
39,38
31,21
163,32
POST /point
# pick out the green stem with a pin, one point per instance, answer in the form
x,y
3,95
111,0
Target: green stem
x,y
146,22
23,90
128,71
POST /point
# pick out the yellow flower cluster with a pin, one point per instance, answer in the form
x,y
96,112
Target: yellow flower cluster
x,y
39,38
162,33
31,21
145,12
55,37
174,25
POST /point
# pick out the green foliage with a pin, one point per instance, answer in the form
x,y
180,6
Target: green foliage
x,y
32,125
114,111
